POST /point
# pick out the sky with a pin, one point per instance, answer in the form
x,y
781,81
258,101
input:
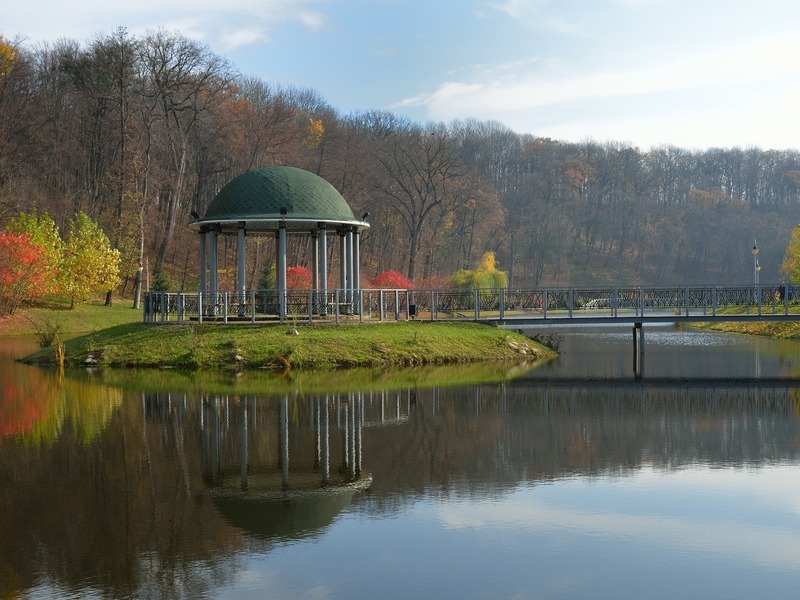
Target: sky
x,y
690,73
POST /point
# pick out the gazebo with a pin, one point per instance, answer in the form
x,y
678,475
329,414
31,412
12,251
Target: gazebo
x,y
281,201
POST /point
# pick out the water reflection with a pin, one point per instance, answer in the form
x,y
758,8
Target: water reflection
x,y
494,489
592,352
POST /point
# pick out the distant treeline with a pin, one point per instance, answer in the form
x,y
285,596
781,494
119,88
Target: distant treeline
x,y
137,132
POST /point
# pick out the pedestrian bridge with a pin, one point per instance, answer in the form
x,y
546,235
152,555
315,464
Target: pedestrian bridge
x,y
553,306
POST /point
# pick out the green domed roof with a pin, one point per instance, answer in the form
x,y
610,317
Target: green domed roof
x,y
261,194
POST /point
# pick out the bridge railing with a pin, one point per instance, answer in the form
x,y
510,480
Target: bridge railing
x,y
476,304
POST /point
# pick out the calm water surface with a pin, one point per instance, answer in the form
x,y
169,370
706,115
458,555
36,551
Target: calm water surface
x,y
571,480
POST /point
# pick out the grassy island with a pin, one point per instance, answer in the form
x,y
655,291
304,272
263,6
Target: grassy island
x,y
789,330
238,347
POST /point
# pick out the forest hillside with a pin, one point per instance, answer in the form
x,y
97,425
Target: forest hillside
x,y
138,132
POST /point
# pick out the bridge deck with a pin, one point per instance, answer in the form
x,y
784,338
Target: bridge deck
x,y
500,307
632,318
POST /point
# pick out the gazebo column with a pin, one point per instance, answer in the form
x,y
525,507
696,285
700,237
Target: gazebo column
x,y
350,286
356,270
213,270
323,268
314,271
343,264
282,270
240,274
203,263
356,264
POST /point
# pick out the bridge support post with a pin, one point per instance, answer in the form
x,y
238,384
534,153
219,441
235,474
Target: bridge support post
x,y
544,304
686,300
758,296
786,299
638,350
714,301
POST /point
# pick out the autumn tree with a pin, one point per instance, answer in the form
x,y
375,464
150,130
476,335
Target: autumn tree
x,y
43,233
790,267
24,271
484,276
8,57
90,263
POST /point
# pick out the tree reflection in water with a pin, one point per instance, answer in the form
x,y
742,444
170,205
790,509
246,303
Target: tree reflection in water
x,y
164,494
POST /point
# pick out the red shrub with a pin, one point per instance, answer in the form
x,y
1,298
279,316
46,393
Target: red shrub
x,y
298,278
391,280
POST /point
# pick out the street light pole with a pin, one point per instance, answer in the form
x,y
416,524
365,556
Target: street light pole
x,y
756,267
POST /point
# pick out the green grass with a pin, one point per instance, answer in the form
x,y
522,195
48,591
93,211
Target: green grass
x,y
320,346
84,318
776,329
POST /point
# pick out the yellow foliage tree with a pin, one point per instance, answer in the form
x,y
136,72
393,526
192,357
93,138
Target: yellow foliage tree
x,y
790,267
8,57
315,130
90,263
485,275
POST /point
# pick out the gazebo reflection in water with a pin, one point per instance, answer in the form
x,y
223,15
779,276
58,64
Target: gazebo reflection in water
x,y
279,467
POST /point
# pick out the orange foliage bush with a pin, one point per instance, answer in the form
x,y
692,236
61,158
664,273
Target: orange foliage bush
x,y
24,272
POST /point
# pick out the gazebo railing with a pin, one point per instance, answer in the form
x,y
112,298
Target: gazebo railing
x,y
440,305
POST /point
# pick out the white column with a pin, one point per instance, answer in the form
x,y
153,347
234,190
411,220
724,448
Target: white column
x,y
240,252
356,260
323,267
314,271
213,270
282,270
343,263
350,282
203,264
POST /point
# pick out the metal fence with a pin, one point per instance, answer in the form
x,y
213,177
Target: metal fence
x,y
476,304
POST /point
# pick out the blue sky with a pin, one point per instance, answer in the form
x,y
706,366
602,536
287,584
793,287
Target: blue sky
x,y
691,73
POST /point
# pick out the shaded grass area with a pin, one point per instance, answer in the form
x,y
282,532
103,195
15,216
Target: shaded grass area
x,y
269,346
84,318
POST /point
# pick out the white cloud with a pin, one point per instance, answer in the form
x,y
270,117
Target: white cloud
x,y
737,82
747,542
535,14
232,24
239,38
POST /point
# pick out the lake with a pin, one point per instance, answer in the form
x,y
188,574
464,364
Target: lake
x,y
574,479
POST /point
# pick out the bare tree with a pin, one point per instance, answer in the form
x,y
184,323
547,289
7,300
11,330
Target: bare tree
x,y
184,81
421,168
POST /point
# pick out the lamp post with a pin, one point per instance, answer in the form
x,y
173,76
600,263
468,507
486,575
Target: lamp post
x,y
756,267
